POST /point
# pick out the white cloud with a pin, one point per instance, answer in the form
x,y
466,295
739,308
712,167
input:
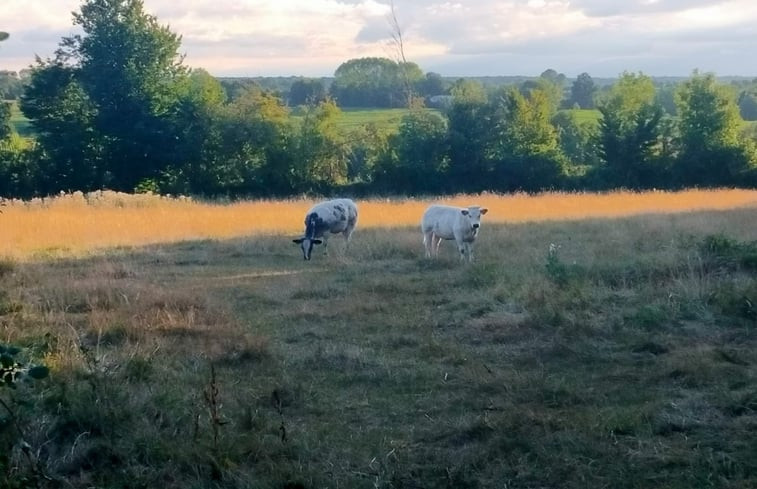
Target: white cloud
x,y
473,37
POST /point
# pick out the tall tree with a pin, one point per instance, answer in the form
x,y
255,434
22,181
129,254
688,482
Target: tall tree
x,y
629,131
127,69
416,160
306,91
470,118
527,151
711,151
373,82
582,92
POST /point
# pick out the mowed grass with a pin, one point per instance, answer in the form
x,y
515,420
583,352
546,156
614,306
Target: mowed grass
x,y
78,224
625,357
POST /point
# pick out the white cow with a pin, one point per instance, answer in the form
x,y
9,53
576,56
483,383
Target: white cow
x,y
446,222
332,216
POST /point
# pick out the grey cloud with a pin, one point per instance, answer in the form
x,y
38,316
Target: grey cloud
x,y
375,29
605,8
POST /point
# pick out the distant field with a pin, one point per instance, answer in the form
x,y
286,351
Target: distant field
x,y
584,115
384,119
20,123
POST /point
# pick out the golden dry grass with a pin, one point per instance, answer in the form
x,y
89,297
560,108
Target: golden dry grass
x,y
76,224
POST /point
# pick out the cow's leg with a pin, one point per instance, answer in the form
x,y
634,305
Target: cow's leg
x,y
469,251
325,239
461,247
428,242
437,245
348,233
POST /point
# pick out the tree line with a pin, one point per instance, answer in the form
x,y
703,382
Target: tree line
x,y
116,108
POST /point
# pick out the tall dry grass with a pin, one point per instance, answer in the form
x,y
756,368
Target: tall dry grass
x,y
76,224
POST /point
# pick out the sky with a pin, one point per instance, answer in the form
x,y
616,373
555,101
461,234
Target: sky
x,y
465,38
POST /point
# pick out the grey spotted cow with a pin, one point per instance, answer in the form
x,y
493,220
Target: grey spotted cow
x,y
329,217
446,222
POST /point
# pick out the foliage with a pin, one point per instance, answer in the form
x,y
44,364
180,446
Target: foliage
x,y
11,85
318,151
629,133
577,138
748,104
374,82
711,152
5,118
306,91
103,106
470,118
415,158
527,149
582,92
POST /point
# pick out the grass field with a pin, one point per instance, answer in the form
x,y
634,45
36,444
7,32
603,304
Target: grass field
x,y
582,116
383,119
579,351
76,224
20,123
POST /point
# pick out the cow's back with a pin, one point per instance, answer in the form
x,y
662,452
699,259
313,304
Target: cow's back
x,y
334,216
440,219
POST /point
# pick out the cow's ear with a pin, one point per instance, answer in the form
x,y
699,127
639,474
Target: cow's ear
x,y
465,212
316,241
298,240
484,211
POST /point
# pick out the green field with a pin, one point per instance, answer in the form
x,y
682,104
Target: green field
x,y
20,123
626,357
383,119
585,115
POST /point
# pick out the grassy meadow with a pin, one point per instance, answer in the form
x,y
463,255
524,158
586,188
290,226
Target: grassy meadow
x,y
599,340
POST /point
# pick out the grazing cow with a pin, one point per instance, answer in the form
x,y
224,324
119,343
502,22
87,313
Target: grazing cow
x,y
333,216
446,222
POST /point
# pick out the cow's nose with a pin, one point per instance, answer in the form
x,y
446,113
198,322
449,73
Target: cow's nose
x,y
475,226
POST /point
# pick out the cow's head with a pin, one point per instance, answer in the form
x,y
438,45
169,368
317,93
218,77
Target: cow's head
x,y
473,215
307,245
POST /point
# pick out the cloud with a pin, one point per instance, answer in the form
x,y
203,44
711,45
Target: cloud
x,y
313,37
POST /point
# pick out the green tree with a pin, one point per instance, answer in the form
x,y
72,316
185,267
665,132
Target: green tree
x,y
711,152
577,138
70,151
374,82
582,92
306,91
196,169
416,157
470,138
320,150
527,151
124,72
5,120
748,104
432,84
629,133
